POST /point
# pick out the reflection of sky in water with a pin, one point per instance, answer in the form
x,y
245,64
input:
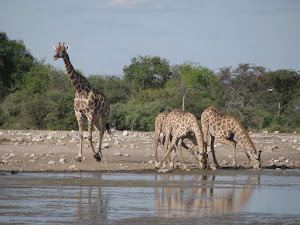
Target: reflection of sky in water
x,y
98,197
277,195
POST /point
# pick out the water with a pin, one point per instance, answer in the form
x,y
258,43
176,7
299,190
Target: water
x,y
221,197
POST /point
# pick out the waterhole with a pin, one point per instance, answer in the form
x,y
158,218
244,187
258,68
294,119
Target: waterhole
x,y
215,197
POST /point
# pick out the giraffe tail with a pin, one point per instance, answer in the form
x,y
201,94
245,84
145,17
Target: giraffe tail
x,y
108,129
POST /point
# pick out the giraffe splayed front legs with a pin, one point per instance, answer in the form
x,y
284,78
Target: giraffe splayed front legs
x,y
89,104
179,125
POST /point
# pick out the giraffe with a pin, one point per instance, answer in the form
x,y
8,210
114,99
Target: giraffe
x,y
89,104
160,122
227,129
180,125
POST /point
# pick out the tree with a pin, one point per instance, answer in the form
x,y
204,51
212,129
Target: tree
x,y
240,85
15,60
194,77
280,87
147,72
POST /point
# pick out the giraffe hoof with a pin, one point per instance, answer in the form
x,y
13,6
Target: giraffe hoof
x,y
97,157
78,158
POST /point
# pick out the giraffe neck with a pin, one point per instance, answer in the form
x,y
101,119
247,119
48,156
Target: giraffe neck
x,y
79,82
243,137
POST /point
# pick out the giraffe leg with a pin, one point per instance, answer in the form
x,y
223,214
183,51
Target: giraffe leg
x,y
90,138
79,157
167,153
212,147
181,155
231,143
98,154
156,136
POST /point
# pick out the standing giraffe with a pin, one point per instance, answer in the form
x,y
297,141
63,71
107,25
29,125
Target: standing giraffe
x,y
180,125
227,129
88,103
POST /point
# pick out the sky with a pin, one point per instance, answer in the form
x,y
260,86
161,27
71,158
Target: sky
x,y
104,35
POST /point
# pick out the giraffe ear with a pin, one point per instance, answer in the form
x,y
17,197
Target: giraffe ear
x,y
55,48
67,48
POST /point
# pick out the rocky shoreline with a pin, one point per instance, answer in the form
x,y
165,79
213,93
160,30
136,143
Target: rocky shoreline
x,y
39,151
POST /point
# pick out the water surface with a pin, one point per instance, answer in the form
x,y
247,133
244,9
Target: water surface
x,y
214,197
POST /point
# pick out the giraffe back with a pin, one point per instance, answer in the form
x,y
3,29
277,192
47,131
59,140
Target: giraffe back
x,y
180,123
218,124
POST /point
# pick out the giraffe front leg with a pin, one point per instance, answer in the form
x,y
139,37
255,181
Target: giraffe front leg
x,y
168,151
212,148
181,154
79,157
156,136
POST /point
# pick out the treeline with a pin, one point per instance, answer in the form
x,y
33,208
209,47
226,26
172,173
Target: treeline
x,y
35,95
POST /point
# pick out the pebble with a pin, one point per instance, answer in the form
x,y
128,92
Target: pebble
x,y
74,140
32,155
150,161
125,133
105,145
37,139
72,167
118,154
127,155
63,160
51,162
11,155
4,161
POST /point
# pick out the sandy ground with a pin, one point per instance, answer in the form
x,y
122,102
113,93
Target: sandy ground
x,y
55,151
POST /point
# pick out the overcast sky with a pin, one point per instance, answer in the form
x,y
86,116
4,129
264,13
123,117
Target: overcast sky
x,y
104,35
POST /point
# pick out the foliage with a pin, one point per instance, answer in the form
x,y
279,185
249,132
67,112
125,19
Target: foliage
x,y
35,95
15,60
146,72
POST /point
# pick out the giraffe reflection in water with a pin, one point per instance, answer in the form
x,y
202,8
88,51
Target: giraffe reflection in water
x,y
170,202
92,204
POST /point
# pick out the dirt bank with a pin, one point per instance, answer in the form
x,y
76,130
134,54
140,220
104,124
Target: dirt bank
x,y
22,150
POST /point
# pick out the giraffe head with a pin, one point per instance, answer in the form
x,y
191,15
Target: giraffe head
x,y
60,51
255,158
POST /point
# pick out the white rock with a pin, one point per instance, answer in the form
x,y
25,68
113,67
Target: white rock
x,y
11,155
32,155
118,154
72,167
281,159
20,139
37,138
132,146
63,160
125,133
51,162
265,132
74,140
150,161
117,142
276,132
50,137
105,145
127,155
